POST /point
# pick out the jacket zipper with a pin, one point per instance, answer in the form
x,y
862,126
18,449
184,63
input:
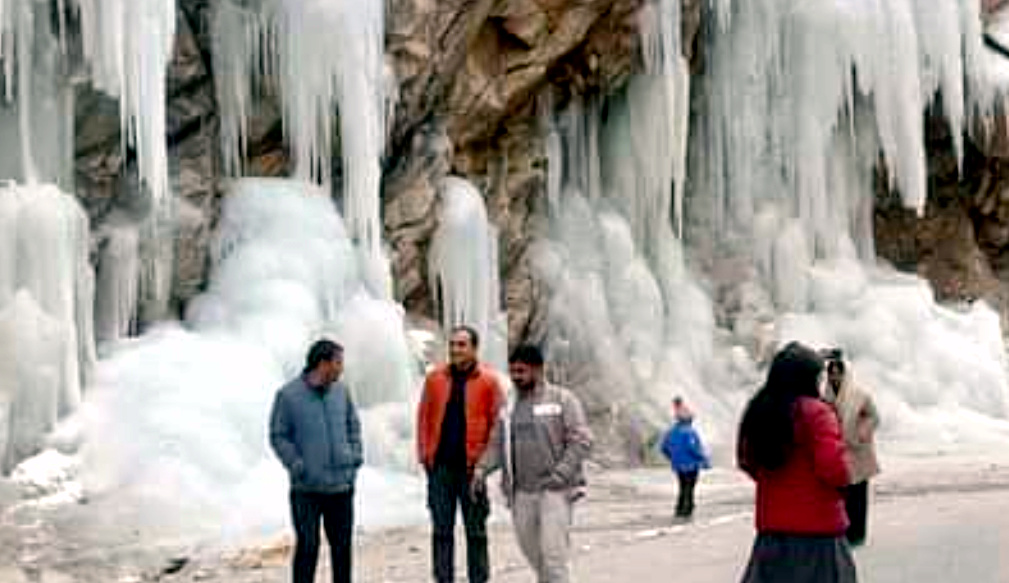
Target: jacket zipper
x,y
329,431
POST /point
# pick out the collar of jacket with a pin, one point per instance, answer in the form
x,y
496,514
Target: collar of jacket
x,y
316,388
476,372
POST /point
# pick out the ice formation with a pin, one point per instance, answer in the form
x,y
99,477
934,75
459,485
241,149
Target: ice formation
x,y
284,273
37,117
46,295
621,294
806,99
129,45
464,268
794,74
49,279
803,101
324,57
117,286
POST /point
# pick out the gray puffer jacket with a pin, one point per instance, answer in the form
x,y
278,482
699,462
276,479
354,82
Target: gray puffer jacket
x,y
317,436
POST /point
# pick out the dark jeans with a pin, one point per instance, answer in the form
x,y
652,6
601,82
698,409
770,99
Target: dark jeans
x,y
446,489
856,502
337,514
685,500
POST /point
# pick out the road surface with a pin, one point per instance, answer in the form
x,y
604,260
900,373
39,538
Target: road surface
x,y
932,522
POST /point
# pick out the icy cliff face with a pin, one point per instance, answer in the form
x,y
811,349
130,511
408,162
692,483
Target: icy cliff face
x,y
806,103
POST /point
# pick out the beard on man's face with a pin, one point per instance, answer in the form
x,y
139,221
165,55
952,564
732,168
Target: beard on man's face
x,y
525,384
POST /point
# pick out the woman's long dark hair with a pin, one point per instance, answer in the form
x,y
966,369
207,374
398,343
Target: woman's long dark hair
x,y
765,433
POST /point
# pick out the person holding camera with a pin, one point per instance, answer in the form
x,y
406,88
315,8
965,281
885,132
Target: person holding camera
x,y
859,422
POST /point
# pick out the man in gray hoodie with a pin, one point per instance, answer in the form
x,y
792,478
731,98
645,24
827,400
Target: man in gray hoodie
x,y
315,431
540,442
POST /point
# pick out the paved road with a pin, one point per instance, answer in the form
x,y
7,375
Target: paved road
x,y
948,536
929,523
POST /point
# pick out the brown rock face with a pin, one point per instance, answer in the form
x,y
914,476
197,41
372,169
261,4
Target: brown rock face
x,y
472,76
104,177
960,244
482,70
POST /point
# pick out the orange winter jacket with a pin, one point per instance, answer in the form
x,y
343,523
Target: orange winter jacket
x,y
484,397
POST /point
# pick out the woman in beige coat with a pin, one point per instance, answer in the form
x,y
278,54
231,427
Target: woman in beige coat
x,y
859,421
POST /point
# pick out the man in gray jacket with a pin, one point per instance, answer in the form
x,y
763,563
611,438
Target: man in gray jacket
x,y
540,443
315,431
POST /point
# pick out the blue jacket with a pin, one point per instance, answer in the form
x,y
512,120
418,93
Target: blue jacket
x,y
317,436
682,447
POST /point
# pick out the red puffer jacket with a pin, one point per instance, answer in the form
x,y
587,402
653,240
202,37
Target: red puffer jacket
x,y
484,397
804,497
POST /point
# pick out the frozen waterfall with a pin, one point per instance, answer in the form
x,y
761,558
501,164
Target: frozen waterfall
x,y
621,296
668,291
805,101
325,58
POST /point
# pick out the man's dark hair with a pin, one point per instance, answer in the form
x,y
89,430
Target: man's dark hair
x,y
320,352
527,354
474,338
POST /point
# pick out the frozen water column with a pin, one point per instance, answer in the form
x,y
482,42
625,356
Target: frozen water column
x,y
463,268
46,284
36,109
46,330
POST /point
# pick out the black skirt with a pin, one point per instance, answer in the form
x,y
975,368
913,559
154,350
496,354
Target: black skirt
x,y
780,558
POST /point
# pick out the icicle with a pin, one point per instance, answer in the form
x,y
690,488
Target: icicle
x,y
118,282
661,111
7,46
9,208
130,45
236,43
328,56
462,274
25,42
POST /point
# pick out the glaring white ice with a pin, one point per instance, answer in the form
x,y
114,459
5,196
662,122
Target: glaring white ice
x,y
46,295
805,100
175,427
802,101
327,57
464,268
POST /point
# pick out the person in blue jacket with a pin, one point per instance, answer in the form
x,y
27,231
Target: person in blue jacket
x,y
682,446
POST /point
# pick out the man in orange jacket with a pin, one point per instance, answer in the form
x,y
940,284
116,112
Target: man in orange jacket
x,y
457,411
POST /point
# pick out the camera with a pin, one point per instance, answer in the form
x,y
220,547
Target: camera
x,y
832,355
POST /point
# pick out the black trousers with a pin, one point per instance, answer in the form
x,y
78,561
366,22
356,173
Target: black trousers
x,y
447,489
337,514
685,500
856,502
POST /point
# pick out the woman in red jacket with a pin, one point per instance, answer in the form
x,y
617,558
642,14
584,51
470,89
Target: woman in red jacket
x,y
790,444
